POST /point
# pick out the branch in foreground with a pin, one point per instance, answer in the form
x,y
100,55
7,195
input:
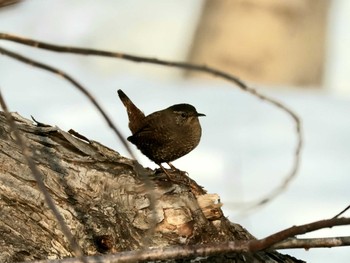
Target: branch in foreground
x,y
189,251
38,177
308,243
204,69
273,239
205,250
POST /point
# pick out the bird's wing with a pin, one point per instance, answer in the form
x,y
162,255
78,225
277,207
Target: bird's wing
x,y
145,133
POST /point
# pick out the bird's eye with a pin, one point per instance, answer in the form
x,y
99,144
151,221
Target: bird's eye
x,y
184,115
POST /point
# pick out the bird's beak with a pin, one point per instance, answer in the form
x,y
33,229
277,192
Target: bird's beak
x,y
200,115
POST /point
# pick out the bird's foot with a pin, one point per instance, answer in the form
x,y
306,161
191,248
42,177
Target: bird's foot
x,y
173,168
181,177
175,175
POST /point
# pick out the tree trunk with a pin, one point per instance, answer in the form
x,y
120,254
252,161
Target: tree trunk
x,y
105,203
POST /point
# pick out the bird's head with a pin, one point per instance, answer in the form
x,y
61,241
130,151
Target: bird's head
x,y
185,114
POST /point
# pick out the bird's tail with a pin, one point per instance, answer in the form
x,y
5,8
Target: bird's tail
x,y
136,116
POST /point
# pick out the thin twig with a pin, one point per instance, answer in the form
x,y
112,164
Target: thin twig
x,y
74,83
296,230
87,51
307,243
38,177
342,212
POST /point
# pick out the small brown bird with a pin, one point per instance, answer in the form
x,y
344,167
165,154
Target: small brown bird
x,y
164,135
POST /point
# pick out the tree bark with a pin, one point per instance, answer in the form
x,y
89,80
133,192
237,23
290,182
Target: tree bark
x,y
108,201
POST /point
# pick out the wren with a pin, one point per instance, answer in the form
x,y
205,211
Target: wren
x,y
164,135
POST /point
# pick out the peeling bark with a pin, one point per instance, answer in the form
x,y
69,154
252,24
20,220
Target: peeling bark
x,y
105,200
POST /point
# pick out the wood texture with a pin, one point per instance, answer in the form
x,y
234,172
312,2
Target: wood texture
x,y
105,200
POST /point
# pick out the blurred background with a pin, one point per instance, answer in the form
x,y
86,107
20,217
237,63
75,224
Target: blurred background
x,y
294,51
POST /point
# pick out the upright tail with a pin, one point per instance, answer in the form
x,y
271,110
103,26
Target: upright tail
x,y
136,116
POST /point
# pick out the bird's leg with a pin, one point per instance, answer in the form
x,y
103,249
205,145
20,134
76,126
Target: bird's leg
x,y
186,180
165,171
172,166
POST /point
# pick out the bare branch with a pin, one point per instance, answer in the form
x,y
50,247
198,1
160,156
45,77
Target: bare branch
x,y
86,51
271,240
204,250
342,212
280,240
307,243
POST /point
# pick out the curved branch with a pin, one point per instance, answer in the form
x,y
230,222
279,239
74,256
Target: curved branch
x,y
271,240
205,69
74,83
